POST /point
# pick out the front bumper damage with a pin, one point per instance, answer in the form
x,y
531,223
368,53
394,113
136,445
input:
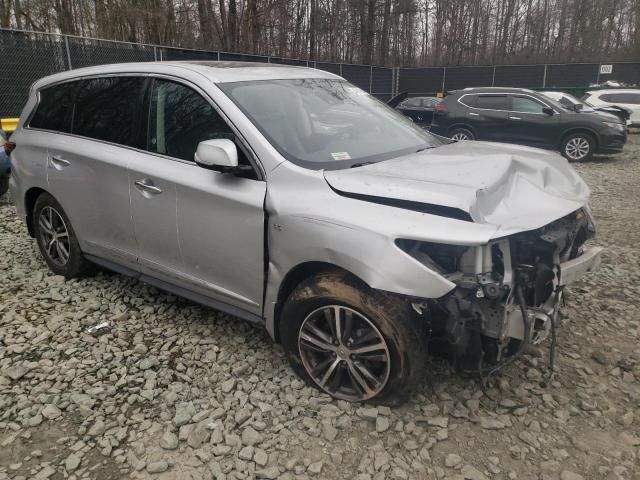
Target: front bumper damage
x,y
509,293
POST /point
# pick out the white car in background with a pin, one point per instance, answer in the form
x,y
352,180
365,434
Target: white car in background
x,y
577,105
626,98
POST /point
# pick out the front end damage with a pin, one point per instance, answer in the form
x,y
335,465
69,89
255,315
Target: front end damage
x,y
508,293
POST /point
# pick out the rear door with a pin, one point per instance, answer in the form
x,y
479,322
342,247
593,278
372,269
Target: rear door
x,y
412,108
87,170
528,124
200,229
488,115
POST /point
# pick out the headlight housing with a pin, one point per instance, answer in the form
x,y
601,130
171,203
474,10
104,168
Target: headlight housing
x,y
615,126
440,257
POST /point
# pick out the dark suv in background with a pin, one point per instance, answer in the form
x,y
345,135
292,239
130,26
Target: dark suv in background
x,y
525,117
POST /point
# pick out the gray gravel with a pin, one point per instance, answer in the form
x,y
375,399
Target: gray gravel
x,y
178,391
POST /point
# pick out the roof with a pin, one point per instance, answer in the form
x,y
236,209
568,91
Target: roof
x,y
495,90
217,72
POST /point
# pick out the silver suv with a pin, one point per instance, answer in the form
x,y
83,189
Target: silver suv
x,y
290,198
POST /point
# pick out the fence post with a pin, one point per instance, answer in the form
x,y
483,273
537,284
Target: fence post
x,y
155,53
598,75
444,78
370,78
66,45
340,69
493,78
544,77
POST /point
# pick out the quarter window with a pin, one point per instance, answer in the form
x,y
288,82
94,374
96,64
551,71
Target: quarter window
x,y
54,109
492,102
108,109
179,119
412,102
526,105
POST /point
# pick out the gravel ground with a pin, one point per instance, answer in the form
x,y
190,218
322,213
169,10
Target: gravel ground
x,y
178,391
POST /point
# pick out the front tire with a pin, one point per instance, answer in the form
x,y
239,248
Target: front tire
x,y
353,342
461,134
4,184
578,147
57,240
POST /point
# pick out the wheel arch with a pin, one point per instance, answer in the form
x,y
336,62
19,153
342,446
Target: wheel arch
x,y
30,198
294,277
592,133
462,125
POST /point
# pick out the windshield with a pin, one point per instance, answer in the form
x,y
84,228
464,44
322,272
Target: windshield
x,y
327,124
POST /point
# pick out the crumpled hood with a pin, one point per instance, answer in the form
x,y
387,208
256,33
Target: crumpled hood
x,y
512,187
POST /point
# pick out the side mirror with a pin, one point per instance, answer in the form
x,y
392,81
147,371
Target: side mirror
x,y
217,154
548,111
577,107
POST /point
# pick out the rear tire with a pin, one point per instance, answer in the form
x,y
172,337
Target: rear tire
x,y
578,147
329,355
57,240
461,134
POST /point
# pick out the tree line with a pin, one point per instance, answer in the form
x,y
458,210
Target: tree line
x,y
384,32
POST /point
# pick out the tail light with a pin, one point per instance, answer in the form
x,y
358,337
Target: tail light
x,y
441,108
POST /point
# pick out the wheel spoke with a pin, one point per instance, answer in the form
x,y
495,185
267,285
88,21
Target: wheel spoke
x,y
366,338
46,226
360,367
63,251
52,242
368,348
358,381
316,342
348,325
330,370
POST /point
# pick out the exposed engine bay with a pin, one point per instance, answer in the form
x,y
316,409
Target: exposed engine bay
x,y
508,293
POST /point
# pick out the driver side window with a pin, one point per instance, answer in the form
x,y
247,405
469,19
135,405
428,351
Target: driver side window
x,y
526,105
179,119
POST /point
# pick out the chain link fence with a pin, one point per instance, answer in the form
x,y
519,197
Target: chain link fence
x,y
28,56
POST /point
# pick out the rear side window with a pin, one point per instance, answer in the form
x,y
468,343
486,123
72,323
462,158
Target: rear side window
x,y
412,102
525,105
54,109
179,119
468,100
109,109
492,102
632,98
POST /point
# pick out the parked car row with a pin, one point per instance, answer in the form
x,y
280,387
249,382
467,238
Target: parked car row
x,y
290,198
550,120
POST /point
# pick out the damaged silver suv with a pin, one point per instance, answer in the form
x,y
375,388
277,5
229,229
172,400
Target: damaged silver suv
x,y
290,198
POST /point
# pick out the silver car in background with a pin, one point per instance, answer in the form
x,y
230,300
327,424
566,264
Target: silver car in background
x,y
290,198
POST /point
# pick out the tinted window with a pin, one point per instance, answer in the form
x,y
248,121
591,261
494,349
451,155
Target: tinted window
x,y
526,105
179,119
492,102
109,109
411,102
54,109
468,100
430,102
632,98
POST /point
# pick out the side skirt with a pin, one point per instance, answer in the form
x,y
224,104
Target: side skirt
x,y
182,292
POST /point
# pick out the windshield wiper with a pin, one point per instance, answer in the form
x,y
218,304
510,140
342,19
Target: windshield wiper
x,y
356,165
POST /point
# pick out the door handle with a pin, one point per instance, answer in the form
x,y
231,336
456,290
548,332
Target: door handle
x,y
148,187
474,114
59,162
515,118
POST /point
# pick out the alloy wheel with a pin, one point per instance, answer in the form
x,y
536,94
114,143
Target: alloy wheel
x,y
344,353
54,235
577,148
460,136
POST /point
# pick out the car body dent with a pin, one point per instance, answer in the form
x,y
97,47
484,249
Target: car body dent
x,y
511,188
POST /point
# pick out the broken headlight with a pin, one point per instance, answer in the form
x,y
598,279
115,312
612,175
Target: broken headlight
x,y
439,257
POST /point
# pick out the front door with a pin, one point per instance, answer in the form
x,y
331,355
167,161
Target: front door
x,y
199,228
529,124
